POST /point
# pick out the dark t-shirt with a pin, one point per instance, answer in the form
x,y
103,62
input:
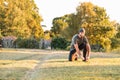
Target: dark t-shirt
x,y
77,39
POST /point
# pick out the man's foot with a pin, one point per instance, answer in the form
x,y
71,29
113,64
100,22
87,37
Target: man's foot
x,y
85,60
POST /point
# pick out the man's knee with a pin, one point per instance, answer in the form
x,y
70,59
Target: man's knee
x,y
73,56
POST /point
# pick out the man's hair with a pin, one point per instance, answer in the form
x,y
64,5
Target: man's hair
x,y
82,30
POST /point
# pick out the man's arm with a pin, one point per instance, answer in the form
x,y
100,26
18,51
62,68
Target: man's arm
x,y
88,50
78,51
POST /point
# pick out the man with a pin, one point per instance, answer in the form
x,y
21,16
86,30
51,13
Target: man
x,y
79,42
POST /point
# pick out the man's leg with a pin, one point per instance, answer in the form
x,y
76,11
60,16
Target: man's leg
x,y
84,53
72,55
83,46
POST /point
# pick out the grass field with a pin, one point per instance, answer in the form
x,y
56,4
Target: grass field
x,y
34,64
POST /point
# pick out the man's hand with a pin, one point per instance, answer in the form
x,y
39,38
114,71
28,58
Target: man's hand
x,y
82,57
79,55
87,58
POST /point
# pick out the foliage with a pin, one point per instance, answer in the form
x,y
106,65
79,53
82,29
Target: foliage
x,y
118,31
99,29
47,35
27,43
59,43
115,43
20,18
116,50
73,26
59,25
0,35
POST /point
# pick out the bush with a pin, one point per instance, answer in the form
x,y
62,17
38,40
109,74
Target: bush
x,y
59,43
27,43
115,43
116,51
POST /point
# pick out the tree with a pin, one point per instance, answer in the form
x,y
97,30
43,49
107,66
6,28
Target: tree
x,y
116,39
118,31
73,26
2,16
47,35
65,26
99,28
59,25
20,18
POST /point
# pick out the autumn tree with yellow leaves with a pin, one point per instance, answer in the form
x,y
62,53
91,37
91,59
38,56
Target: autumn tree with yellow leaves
x,y
99,28
20,18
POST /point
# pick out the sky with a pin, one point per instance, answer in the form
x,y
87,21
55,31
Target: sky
x,y
50,9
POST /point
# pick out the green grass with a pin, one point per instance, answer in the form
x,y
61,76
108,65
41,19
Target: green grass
x,y
54,65
79,71
100,67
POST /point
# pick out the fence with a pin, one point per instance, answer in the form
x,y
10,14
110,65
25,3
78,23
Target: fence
x,y
10,42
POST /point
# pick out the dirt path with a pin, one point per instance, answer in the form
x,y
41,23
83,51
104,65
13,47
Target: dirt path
x,y
31,74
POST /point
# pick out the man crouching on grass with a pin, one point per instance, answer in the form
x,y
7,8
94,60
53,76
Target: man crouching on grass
x,y
79,42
